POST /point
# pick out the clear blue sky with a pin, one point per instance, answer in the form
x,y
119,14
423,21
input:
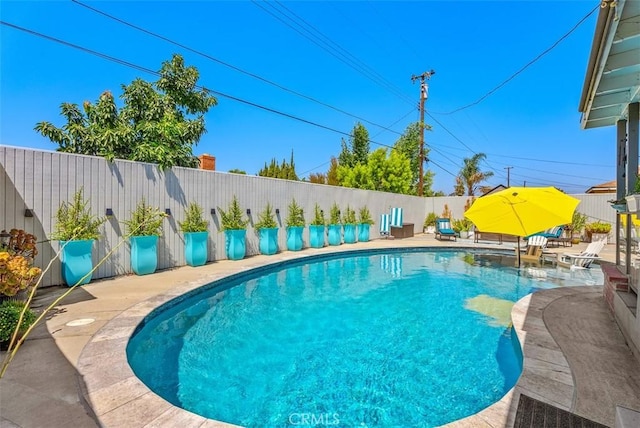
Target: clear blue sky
x,y
531,124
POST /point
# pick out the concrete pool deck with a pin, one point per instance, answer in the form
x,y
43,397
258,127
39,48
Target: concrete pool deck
x,y
575,355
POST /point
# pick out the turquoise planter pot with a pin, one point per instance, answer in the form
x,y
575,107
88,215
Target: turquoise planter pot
x,y
335,237
195,248
144,254
316,236
294,238
363,232
269,241
235,244
349,233
76,261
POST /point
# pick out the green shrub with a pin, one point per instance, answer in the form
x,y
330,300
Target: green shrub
x,y
334,214
232,219
145,220
349,216
318,217
194,220
598,227
74,220
10,314
431,219
578,221
462,225
295,217
265,219
364,216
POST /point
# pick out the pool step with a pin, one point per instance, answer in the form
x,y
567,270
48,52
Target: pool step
x,y
614,280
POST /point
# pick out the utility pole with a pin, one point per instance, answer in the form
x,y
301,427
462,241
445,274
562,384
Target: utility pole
x,y
508,168
424,92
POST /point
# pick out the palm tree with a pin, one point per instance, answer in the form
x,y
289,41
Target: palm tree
x,y
470,175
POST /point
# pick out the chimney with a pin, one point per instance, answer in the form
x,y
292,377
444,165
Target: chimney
x,y
207,162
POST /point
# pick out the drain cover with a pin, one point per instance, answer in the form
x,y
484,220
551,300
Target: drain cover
x,y
79,322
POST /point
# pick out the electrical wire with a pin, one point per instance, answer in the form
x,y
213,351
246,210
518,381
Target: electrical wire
x,y
228,65
332,50
149,71
530,63
328,162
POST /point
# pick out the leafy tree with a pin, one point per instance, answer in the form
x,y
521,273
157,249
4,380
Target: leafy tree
x,y
159,123
409,145
384,173
286,171
345,158
318,178
427,182
237,171
470,174
458,188
332,173
390,174
357,176
356,151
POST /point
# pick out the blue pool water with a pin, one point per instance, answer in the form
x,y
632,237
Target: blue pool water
x,y
414,338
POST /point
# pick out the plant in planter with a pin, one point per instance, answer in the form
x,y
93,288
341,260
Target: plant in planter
x,y
316,228
335,237
76,229
17,273
235,230
195,229
349,225
10,311
462,227
598,231
268,231
430,223
364,224
143,229
578,223
295,227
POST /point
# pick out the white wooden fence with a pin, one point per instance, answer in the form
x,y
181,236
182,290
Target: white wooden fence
x,y
40,181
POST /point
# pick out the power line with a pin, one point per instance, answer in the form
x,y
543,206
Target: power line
x,y
149,71
514,75
531,179
228,65
442,168
535,160
392,147
333,51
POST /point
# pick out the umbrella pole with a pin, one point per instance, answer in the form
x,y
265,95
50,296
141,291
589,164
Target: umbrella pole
x,y
518,251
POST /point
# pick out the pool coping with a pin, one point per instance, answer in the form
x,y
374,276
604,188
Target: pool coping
x,y
118,398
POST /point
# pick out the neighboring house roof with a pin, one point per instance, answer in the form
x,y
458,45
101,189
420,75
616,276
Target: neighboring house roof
x,y
612,81
492,190
608,187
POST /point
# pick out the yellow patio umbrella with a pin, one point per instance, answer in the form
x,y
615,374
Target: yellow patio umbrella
x,y
522,211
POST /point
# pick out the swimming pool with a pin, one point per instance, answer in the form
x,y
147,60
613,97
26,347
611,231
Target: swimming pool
x,y
378,339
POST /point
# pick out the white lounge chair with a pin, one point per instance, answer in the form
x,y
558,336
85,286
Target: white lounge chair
x,y
585,258
536,245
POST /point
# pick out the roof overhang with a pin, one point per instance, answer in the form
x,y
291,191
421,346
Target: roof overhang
x,y
612,81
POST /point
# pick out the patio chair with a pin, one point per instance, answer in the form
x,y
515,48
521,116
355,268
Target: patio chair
x,y
443,229
396,217
584,259
385,225
536,245
551,233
